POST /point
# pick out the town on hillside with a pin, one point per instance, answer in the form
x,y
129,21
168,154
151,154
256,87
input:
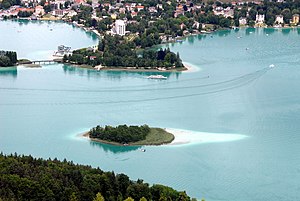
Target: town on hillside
x,y
172,18
134,25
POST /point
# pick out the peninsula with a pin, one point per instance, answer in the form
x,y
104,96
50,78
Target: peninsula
x,y
120,52
130,135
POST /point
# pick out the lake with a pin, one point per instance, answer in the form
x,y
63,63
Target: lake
x,y
235,91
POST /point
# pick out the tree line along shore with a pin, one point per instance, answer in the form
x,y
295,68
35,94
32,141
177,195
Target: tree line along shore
x,y
28,178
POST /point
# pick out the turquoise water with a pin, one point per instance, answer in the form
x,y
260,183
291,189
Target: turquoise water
x,y
234,92
39,39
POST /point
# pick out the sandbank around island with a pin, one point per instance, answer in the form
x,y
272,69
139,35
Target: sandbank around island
x,y
190,68
187,137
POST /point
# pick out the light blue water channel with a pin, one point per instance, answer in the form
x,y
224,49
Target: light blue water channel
x,y
234,92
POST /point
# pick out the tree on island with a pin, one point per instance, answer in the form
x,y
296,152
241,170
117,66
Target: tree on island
x,y
120,134
8,58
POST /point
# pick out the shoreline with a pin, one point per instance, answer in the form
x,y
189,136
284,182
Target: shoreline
x,y
190,68
139,143
187,68
183,138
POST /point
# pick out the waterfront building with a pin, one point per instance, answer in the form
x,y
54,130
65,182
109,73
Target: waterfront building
x,y
58,13
196,25
39,10
62,50
120,27
295,19
260,19
279,19
243,21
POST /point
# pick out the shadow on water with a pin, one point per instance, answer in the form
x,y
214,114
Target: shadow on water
x,y
191,39
223,33
286,31
269,30
201,36
250,30
117,75
8,72
114,149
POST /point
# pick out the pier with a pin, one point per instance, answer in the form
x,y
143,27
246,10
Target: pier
x,y
43,61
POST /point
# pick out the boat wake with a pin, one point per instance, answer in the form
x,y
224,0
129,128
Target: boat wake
x,y
182,91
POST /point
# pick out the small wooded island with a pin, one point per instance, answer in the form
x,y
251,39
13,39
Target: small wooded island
x,y
8,58
130,135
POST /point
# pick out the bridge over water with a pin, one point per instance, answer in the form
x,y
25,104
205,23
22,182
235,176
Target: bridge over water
x,y
45,61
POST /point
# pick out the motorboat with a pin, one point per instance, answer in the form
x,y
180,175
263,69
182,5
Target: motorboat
x,y
156,77
272,66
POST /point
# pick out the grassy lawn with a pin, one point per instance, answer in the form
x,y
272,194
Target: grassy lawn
x,y
157,136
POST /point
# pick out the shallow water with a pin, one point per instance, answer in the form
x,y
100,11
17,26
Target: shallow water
x,y
235,92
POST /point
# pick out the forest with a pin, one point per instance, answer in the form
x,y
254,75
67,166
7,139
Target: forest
x,y
5,4
121,134
28,178
8,58
117,51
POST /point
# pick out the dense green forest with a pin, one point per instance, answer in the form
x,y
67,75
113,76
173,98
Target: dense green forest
x,y
24,14
5,4
8,58
28,178
118,51
120,134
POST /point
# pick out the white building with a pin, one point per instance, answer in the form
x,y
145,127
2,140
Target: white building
x,y
279,19
120,27
72,13
243,21
39,10
260,19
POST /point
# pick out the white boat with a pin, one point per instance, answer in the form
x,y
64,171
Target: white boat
x,y
156,77
272,66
